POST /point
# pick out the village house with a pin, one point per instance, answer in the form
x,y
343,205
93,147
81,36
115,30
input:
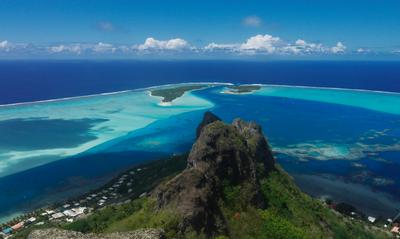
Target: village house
x,y
395,230
371,219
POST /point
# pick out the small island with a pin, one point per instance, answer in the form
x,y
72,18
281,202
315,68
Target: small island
x,y
242,89
170,94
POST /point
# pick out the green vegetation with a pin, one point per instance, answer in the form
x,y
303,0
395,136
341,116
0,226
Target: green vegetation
x,y
150,175
148,217
243,88
137,214
289,214
22,234
102,219
171,94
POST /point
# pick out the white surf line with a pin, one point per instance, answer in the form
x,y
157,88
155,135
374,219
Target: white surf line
x,y
192,83
321,88
331,88
64,99
111,93
215,83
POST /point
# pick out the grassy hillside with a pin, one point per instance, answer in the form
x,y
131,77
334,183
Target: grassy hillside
x,y
289,214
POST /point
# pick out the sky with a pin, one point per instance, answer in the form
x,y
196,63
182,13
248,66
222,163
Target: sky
x,y
207,28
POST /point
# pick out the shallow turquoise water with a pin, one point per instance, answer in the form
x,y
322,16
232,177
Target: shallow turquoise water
x,y
347,136
372,100
39,133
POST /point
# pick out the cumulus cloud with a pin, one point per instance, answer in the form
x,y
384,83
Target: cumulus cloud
x,y
272,45
260,43
57,49
302,47
78,48
339,48
172,44
255,45
221,47
252,21
74,48
105,26
363,51
4,45
104,47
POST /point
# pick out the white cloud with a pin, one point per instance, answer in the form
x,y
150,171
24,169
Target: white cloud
x,y
74,48
221,47
260,43
254,45
172,44
265,44
252,21
5,45
80,48
301,42
303,47
339,48
104,47
271,45
57,49
363,51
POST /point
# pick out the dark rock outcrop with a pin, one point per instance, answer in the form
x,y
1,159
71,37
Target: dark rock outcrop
x,y
208,118
223,154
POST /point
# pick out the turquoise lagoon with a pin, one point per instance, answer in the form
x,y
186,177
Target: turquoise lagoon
x,y
338,143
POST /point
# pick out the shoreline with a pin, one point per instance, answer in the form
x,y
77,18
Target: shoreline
x,y
164,103
191,83
108,93
122,187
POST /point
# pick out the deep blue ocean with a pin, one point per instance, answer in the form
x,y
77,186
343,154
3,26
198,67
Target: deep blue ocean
x,y
25,81
294,127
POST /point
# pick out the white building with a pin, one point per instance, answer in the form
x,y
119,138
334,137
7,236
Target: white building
x,y
57,215
371,219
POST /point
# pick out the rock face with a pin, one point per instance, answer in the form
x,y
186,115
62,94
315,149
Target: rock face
x,y
223,154
208,118
64,234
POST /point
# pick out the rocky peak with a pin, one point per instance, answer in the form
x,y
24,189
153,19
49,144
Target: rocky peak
x,y
222,154
208,118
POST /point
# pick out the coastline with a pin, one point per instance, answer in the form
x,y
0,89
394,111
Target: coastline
x,y
110,93
190,83
170,102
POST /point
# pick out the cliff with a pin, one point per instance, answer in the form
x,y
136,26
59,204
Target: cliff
x,y
222,155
